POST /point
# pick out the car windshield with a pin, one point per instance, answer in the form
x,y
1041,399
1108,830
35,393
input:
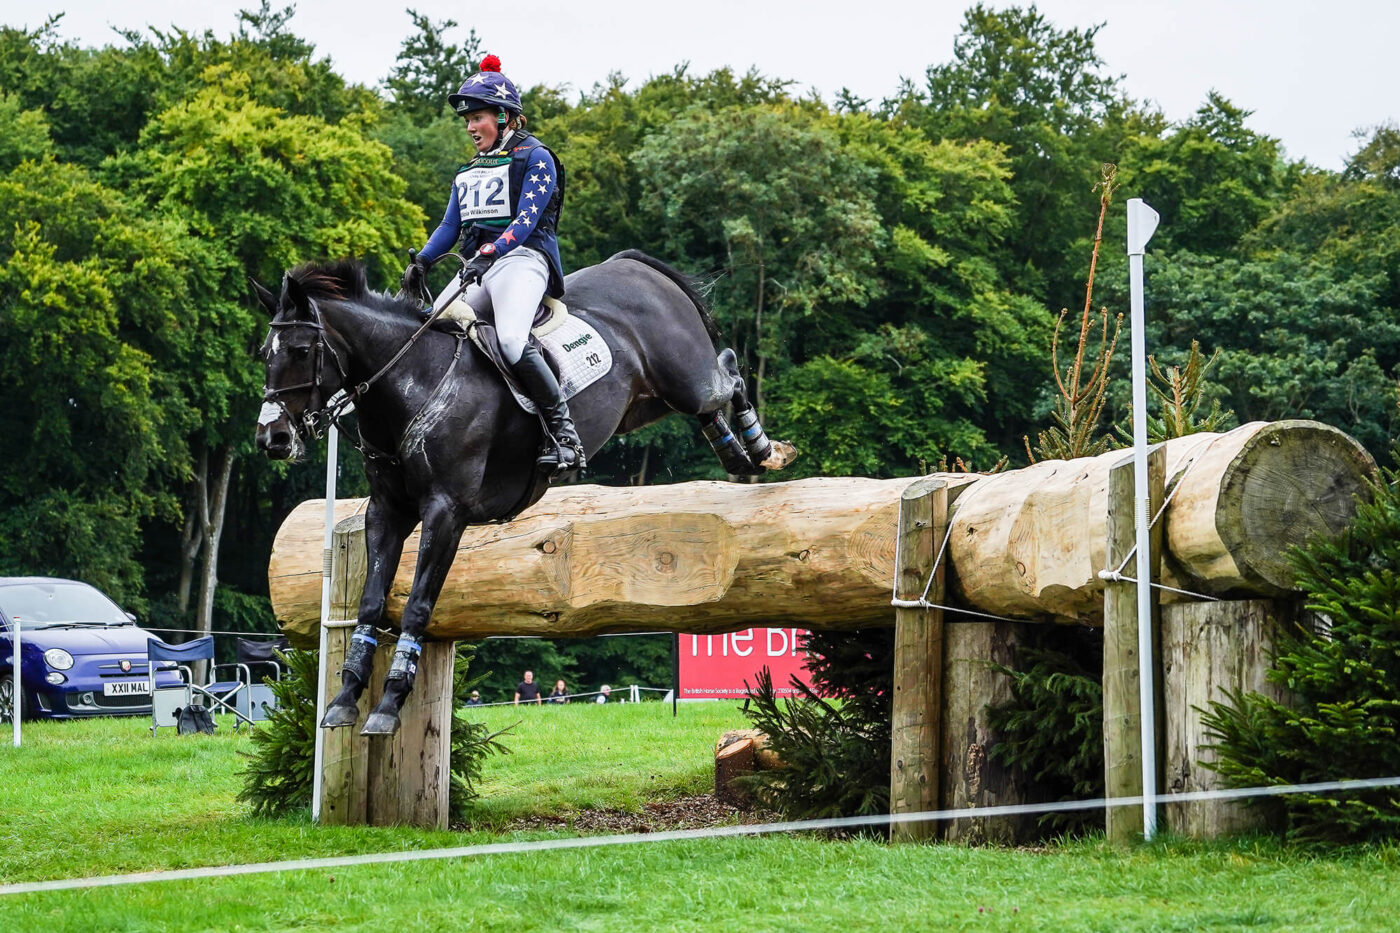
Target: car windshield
x,y
36,605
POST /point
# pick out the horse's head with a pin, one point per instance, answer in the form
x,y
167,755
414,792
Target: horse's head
x,y
304,371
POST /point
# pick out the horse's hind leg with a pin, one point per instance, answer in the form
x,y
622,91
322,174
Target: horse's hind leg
x,y
744,449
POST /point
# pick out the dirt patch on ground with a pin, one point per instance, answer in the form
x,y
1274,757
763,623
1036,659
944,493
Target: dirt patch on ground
x,y
657,816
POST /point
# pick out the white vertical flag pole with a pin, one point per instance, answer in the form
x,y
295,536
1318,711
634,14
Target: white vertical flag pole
x,y
332,449
1142,223
17,696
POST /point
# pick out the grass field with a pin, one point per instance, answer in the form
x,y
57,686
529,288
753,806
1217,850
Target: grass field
x,y
103,797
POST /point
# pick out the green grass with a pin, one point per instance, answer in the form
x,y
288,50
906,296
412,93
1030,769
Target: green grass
x,y
102,797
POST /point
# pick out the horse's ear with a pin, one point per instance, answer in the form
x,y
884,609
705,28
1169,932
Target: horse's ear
x,y
295,295
265,297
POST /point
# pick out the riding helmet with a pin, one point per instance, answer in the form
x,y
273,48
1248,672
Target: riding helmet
x,y
488,89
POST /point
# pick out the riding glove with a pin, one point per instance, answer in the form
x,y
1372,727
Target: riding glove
x,y
476,267
412,281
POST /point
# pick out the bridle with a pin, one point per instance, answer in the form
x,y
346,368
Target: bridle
x,y
320,412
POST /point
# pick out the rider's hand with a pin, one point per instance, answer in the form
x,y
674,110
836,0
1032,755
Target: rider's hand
x,y
476,267
413,275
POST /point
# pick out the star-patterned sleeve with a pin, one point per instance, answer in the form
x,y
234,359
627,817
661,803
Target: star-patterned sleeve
x,y
446,233
535,192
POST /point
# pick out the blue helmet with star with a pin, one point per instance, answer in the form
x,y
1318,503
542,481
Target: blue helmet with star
x,y
488,89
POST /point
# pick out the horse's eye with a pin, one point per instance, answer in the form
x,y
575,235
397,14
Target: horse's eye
x,y
300,353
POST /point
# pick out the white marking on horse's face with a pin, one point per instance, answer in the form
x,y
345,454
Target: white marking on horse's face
x,y
276,345
270,412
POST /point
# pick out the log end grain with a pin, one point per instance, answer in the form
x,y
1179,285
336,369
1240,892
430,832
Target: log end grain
x,y
1291,481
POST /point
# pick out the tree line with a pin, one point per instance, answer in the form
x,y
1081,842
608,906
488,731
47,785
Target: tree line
x,y
890,273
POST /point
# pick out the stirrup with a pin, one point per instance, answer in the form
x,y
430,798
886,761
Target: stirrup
x,y
551,459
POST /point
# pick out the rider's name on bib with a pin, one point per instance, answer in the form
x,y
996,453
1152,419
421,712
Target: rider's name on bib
x,y
483,190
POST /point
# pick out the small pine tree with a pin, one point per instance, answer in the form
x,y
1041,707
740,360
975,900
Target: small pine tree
x,y
835,747
1052,727
1074,428
277,780
1343,682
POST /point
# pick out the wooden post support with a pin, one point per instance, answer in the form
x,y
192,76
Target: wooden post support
x,y
971,776
918,659
345,758
1207,649
399,779
1122,733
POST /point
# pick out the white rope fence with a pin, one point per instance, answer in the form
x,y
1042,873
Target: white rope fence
x,y
683,835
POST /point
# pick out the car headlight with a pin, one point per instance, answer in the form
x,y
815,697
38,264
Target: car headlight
x,y
55,678
58,659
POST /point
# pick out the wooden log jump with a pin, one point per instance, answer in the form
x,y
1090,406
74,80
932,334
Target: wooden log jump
x,y
822,553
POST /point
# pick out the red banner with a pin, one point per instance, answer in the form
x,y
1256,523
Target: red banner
x,y
716,666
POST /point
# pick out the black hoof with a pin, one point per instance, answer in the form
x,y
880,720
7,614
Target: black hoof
x,y
338,716
380,724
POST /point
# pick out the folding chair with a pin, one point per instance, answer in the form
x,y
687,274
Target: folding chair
x,y
258,700
167,701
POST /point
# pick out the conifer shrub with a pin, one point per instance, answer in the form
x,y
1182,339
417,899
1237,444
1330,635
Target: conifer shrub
x,y
278,778
832,737
1051,730
1341,677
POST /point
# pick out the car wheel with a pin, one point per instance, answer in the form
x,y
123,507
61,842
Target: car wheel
x,y
8,697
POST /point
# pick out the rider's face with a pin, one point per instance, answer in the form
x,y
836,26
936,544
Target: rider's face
x,y
484,129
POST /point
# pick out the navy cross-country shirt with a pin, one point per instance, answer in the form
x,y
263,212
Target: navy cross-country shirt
x,y
540,182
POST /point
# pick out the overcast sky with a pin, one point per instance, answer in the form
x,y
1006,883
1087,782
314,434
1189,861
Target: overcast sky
x,y
1312,72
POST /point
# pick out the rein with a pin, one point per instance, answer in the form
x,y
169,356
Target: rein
x,y
330,411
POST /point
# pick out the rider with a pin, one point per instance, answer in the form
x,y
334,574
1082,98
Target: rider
x,y
505,207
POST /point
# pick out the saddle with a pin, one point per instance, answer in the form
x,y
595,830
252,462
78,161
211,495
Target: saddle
x,y
573,348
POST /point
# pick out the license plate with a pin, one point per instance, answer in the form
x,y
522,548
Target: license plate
x,y
122,688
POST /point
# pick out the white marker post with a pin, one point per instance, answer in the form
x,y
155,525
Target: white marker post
x,y
18,692
332,449
1142,223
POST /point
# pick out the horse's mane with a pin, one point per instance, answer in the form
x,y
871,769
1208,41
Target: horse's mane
x,y
346,280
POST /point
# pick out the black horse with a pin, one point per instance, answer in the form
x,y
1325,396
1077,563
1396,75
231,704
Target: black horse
x,y
445,442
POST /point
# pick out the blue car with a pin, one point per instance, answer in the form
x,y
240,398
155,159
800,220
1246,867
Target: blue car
x,y
80,654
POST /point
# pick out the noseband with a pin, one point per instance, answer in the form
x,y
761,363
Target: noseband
x,y
317,413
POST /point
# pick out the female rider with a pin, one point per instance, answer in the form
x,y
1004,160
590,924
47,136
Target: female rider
x,y
505,207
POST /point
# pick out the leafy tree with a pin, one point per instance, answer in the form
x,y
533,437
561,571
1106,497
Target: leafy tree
x,y
88,290
1017,80
429,68
1212,179
24,134
1296,338
759,219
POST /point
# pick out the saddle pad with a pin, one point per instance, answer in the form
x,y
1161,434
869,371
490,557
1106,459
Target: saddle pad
x,y
579,354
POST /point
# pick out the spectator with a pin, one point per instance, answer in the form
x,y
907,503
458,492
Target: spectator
x,y
475,698
528,690
603,694
560,693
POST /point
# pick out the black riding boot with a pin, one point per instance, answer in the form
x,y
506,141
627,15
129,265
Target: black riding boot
x,y
537,379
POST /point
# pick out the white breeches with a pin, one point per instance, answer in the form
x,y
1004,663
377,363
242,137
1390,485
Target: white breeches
x,y
513,288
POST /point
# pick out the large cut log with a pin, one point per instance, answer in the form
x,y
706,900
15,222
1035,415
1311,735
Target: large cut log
x,y
699,557
1030,543
819,553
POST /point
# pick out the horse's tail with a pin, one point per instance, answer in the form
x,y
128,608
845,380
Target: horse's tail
x,y
685,282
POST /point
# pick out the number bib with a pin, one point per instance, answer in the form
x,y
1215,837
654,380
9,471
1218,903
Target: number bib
x,y
483,191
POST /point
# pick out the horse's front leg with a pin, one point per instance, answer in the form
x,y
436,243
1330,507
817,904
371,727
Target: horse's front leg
x,y
442,532
386,529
